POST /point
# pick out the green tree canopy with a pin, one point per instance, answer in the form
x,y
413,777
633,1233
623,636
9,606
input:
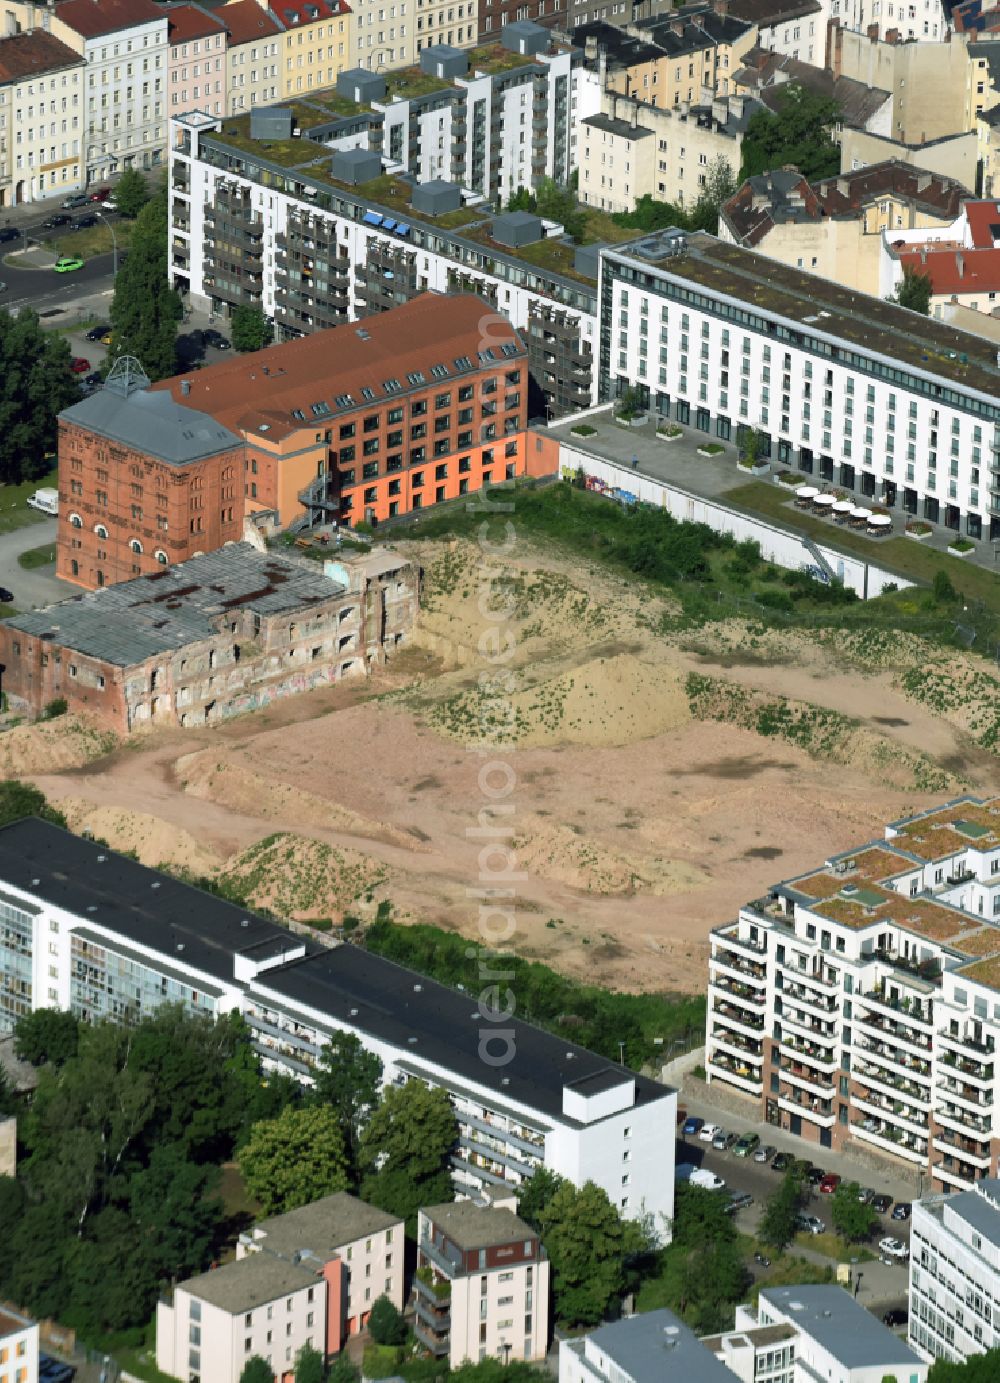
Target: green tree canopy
x,y
978,1368
48,1034
797,133
18,800
404,1149
309,1366
586,1245
348,1079
914,291
852,1220
536,1194
132,192
777,1227
145,310
250,329
342,1370
36,384
385,1323
256,1370
294,1159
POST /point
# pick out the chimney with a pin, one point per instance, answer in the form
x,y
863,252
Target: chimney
x,y
590,48
924,182
677,27
720,110
960,264
185,387
736,107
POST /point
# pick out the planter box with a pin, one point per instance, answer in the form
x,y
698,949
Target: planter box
x,y
640,420
704,451
758,467
670,436
919,536
961,551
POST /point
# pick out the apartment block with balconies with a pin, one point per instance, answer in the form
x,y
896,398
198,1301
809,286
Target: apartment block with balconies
x,y
861,1001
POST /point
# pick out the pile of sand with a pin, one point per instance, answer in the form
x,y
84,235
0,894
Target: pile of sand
x,y
551,851
51,746
303,879
214,777
156,842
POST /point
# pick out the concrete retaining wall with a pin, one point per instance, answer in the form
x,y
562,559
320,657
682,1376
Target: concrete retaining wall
x,y
779,545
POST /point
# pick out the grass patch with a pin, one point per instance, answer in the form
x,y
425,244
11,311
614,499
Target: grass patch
x,y
93,240
832,1246
37,556
14,512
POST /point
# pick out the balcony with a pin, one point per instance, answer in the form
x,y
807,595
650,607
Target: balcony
x,y
811,1082
899,1145
893,1058
824,1055
729,960
964,1149
733,1073
979,1071
436,1344
742,1047
806,1109
961,1122
429,1250
813,1030
892,1111
902,1010
804,992
893,1084
898,1033
738,1018
966,1095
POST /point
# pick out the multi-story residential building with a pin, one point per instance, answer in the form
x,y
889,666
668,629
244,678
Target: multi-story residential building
x,y
144,482
860,1001
253,55
667,61
636,150
647,1348
835,227
493,15
481,1288
19,1354
961,259
358,1248
952,156
315,45
837,384
218,635
933,85
794,28
860,105
420,405
197,71
447,22
41,118
383,37
835,1337
216,1322
313,250
86,930
954,1271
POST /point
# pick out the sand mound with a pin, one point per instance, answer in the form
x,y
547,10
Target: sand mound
x,y
303,879
154,841
559,853
208,774
51,746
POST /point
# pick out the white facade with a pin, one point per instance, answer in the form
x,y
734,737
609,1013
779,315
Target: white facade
x,y
836,1339
18,1349
955,1273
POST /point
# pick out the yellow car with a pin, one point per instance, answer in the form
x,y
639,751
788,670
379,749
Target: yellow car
x,y
105,340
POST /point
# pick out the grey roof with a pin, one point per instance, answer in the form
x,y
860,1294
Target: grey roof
x,y
322,1227
645,1347
473,1226
150,421
127,623
623,129
252,1281
852,1335
992,116
980,1209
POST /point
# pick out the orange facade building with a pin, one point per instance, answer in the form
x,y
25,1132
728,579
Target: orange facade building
x,y
369,421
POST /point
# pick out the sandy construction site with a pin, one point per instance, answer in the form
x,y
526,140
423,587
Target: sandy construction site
x,y
655,780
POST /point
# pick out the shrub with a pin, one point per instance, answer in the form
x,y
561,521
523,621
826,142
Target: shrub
x,y
385,1324
584,430
58,706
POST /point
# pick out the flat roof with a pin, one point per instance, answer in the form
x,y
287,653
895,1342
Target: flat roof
x,y
979,1208
472,1226
852,1335
442,1026
655,1346
250,1282
322,1227
132,621
869,324
141,905
152,422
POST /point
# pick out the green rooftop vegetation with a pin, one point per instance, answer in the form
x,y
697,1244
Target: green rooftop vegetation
x,y
335,104
411,82
493,58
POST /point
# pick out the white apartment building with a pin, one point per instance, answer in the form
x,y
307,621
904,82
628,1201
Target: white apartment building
x,y
359,1249
19,1352
41,118
217,1322
955,1273
841,385
104,937
861,1001
481,1288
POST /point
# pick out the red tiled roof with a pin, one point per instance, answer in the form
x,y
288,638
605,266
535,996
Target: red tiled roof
x,y
246,21
982,218
28,55
189,22
92,18
242,392
953,270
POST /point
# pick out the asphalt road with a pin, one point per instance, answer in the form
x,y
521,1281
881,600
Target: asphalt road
x,y
44,288
39,586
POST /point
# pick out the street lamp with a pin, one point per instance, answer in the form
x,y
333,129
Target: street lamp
x,y
114,244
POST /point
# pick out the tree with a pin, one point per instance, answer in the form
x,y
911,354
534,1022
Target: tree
x,y
559,204
851,1218
944,591
145,309
586,1246
132,193
385,1324
914,291
309,1366
342,1370
777,1227
405,1147
250,329
256,1370
796,132
720,184
9,1103
18,800
978,1368
46,1035
294,1159
36,384
522,200
536,1194
348,1079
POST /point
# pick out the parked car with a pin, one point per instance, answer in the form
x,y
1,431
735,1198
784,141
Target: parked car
x,y
901,1210
809,1224
79,365
898,1315
67,263
85,222
57,220
77,199
707,1132
829,1184
95,378
815,1176
721,1140
692,1125
739,1200
211,337
9,233
101,195
866,1195
3,287
746,1145
780,1162
762,1259
98,333
880,1204
765,1153
109,204
6,597
54,1370
893,1248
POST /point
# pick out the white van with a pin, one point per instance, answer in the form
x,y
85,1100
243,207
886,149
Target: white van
x,y
47,501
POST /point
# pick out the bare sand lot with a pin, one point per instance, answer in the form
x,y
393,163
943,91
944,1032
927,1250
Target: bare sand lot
x,y
658,779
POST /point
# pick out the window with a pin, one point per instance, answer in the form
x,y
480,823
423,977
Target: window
x,y
161,556
100,530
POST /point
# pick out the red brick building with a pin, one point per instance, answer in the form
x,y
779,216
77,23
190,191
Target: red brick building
x,y
143,482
